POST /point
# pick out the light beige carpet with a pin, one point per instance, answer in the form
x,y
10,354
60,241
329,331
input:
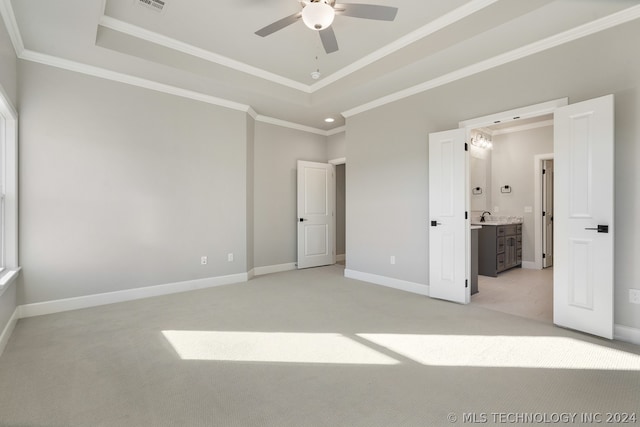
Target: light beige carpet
x,y
304,348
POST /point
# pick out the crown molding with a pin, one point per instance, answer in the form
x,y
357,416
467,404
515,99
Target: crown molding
x,y
426,30
422,32
336,131
78,67
91,70
290,125
593,27
615,19
168,42
9,18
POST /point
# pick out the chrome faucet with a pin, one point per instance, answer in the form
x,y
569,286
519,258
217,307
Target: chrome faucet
x,y
482,219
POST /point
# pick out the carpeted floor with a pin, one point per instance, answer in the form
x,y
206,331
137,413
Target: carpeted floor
x,y
307,348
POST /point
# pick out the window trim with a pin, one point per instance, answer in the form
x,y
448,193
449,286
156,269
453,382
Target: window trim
x,y
9,157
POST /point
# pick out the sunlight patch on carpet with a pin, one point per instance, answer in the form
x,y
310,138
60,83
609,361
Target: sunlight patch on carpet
x,y
506,351
284,347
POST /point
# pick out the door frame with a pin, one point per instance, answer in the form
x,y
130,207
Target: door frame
x,y
336,162
537,207
530,111
331,200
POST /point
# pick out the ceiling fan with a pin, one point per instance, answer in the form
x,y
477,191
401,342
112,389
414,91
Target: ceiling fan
x,y
318,15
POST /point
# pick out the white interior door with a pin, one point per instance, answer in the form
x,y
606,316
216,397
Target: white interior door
x,y
316,217
449,232
583,241
547,213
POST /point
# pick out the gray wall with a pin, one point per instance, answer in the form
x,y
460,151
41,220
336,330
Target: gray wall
x,y
512,164
386,193
8,82
250,181
123,187
480,176
387,152
336,146
277,150
8,68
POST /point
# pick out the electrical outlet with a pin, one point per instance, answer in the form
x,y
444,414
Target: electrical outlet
x,y
230,257
392,260
634,296
203,260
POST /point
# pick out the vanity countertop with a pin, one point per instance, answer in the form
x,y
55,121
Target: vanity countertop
x,y
496,223
497,220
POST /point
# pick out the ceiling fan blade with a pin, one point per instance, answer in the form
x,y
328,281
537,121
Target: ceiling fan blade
x,y
329,40
278,25
367,11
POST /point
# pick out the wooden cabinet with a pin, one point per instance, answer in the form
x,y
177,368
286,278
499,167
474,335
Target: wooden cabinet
x,y
500,248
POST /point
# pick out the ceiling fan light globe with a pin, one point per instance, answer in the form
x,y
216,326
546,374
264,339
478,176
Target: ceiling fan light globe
x,y
318,15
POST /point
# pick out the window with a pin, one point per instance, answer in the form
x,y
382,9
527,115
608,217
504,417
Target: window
x,y
8,191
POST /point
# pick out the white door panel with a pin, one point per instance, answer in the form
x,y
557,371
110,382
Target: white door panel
x,y
448,232
583,264
316,219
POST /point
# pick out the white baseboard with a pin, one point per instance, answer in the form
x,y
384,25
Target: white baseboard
x,y
627,334
8,329
390,282
57,306
274,268
341,257
531,265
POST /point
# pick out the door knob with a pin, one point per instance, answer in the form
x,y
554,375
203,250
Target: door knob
x,y
435,223
303,219
599,229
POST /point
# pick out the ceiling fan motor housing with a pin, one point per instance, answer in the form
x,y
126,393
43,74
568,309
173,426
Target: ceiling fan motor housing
x,y
318,15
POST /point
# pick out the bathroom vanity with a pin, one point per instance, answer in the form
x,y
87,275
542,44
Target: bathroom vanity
x,y
499,247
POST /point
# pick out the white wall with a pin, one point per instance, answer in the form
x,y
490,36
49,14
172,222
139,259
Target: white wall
x,y
277,150
387,152
122,187
512,164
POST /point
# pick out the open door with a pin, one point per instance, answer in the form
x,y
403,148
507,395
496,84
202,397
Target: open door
x,y
547,213
449,233
583,241
316,218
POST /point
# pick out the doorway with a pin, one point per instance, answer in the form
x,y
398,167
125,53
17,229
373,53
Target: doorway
x,y
341,213
583,140
511,183
547,213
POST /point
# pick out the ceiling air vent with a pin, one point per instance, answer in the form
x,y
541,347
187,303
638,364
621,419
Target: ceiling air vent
x,y
157,5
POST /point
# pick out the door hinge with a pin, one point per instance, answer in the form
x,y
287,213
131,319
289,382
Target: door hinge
x,y
544,171
466,215
544,256
544,213
466,147
466,283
